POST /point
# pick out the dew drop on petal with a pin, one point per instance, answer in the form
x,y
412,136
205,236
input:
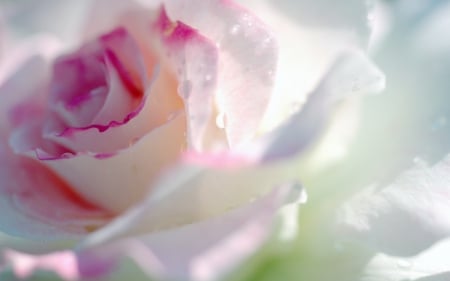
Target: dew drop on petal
x,y
247,20
221,120
235,29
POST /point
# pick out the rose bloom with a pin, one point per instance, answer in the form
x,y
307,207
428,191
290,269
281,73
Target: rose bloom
x,y
168,140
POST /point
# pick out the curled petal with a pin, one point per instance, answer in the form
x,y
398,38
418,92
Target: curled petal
x,y
104,179
248,56
126,108
194,59
352,74
84,84
29,196
114,135
429,265
319,31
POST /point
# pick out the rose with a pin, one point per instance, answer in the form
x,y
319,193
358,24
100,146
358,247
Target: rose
x,y
122,59
321,102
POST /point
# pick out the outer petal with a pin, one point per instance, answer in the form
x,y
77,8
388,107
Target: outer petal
x,y
29,196
311,34
30,61
178,254
194,192
194,60
430,265
248,55
416,203
352,74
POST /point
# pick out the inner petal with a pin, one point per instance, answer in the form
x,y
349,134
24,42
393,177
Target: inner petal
x,y
78,88
81,83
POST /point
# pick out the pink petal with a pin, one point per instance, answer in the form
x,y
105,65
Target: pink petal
x,y
71,86
124,54
112,135
134,105
194,59
159,105
201,251
30,194
117,181
105,74
247,60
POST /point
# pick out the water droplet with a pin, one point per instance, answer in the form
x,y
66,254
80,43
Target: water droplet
x,y
235,29
184,89
404,264
247,20
221,120
262,48
208,77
